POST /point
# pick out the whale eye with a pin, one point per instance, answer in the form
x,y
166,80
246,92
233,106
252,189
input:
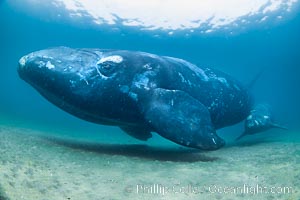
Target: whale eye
x,y
107,68
108,65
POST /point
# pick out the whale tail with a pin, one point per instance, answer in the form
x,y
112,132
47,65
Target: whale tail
x,y
256,77
270,126
274,125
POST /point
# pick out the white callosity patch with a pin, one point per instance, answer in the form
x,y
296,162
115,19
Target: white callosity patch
x,y
22,61
115,59
49,65
175,14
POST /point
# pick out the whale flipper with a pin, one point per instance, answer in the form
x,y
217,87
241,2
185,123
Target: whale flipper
x,y
182,119
139,133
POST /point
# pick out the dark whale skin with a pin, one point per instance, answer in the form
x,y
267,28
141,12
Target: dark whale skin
x,y
123,88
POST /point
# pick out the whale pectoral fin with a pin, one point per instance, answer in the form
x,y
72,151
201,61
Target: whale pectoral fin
x,y
139,133
177,116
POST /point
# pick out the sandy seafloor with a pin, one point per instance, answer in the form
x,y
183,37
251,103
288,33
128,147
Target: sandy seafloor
x,y
35,164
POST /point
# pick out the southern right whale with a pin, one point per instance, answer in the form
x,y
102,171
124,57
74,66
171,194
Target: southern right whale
x,y
140,92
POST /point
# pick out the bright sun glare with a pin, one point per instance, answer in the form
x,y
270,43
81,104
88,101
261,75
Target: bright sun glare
x,y
175,14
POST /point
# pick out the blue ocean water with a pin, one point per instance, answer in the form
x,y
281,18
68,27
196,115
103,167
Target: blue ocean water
x,y
46,153
244,53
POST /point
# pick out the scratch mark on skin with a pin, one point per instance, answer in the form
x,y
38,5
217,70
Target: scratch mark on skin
x,y
223,80
236,87
214,140
182,77
199,72
83,78
101,75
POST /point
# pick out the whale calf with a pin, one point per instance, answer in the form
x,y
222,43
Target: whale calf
x,y
140,92
259,120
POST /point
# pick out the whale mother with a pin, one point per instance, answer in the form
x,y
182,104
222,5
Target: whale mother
x,y
139,92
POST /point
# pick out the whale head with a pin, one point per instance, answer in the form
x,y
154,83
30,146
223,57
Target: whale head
x,y
61,71
80,81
